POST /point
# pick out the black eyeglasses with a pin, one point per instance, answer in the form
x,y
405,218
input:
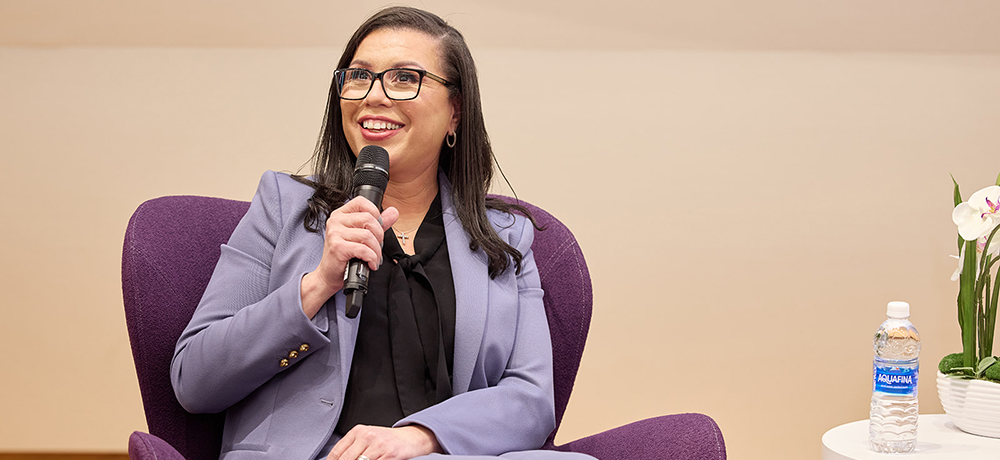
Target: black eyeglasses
x,y
398,84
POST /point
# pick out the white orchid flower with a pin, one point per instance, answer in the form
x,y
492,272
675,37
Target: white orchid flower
x,y
980,247
961,260
977,217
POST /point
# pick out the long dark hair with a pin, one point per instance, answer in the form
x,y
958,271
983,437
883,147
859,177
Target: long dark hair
x,y
469,165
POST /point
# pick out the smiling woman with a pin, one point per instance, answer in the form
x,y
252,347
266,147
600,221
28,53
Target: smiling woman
x,y
411,128
445,109
410,376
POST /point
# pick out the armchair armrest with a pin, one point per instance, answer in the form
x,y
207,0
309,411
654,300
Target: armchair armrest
x,y
680,436
144,446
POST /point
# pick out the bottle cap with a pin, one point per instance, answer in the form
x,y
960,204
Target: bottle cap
x,y
897,309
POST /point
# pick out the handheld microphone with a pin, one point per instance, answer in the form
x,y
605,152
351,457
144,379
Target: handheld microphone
x,y
371,176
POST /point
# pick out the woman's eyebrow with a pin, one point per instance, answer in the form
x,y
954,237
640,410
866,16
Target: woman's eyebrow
x,y
408,63
366,64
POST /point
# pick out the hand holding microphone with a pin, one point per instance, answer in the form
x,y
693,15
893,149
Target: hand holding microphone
x,y
352,245
371,176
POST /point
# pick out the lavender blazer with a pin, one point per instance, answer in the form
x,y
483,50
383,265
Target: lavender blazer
x,y
250,350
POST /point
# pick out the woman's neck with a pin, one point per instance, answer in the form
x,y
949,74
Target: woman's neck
x,y
412,200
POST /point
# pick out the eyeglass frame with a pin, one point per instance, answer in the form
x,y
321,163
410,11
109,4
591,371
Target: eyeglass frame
x,y
378,76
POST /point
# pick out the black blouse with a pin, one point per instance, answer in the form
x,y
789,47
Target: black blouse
x,y
406,338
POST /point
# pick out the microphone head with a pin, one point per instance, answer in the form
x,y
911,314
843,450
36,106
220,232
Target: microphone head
x,y
372,167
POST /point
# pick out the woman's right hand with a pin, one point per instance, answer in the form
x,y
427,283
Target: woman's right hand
x,y
353,231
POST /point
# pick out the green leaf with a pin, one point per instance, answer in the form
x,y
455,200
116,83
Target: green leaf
x,y
962,373
958,195
958,201
998,180
967,305
984,364
991,318
989,241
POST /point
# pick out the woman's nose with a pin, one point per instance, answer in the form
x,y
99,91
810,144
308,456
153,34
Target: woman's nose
x,y
377,96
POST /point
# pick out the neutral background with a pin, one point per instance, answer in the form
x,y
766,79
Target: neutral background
x,y
751,182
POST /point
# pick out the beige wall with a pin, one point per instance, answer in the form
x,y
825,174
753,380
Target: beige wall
x,y
745,215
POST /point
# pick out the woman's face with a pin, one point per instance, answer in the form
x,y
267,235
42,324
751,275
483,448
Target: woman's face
x,y
411,131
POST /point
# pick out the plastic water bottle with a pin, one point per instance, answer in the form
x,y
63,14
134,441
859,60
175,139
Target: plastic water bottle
x,y
892,426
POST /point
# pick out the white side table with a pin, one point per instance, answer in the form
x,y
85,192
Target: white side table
x,y
937,439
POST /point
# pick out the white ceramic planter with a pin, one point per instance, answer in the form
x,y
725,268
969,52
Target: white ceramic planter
x,y
974,405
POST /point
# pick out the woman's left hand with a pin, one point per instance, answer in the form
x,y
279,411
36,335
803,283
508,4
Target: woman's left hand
x,y
380,443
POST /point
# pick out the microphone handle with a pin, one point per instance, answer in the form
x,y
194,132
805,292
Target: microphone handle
x,y
355,286
356,278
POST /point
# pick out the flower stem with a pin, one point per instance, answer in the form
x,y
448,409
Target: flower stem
x,y
986,250
991,320
967,305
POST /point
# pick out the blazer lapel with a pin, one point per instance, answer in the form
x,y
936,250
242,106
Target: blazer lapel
x,y
469,271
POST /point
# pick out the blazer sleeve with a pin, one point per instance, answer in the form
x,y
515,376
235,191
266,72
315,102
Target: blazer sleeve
x,y
518,412
243,329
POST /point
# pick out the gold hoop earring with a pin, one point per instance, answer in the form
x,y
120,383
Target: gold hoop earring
x,y
451,139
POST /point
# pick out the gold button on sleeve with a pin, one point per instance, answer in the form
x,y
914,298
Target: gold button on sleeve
x,y
304,347
293,354
283,363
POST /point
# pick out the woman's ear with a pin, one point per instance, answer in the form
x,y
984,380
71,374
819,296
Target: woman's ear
x,y
456,116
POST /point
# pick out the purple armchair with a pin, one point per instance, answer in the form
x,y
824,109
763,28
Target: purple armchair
x,y
171,247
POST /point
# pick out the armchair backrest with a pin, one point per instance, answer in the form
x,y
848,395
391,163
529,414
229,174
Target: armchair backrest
x,y
171,247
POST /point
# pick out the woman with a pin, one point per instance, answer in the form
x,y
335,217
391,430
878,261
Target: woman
x,y
451,352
